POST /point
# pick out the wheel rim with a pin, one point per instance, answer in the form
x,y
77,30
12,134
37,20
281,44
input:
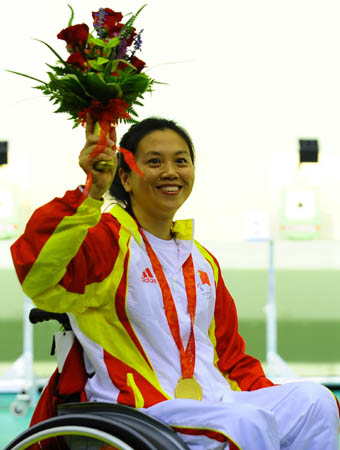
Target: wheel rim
x,y
69,430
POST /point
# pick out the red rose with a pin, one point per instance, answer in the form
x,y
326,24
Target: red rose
x,y
138,63
108,20
108,15
77,59
131,37
76,35
112,18
114,30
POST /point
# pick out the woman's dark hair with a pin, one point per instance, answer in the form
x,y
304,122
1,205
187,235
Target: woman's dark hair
x,y
130,141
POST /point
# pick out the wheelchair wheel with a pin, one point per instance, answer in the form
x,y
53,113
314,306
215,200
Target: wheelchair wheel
x,y
80,432
160,434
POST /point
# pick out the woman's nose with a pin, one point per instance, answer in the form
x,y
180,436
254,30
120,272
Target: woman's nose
x,y
169,170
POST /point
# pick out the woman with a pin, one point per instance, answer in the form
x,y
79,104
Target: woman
x,y
150,308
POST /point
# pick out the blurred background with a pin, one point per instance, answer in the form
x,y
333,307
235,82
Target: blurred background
x,y
257,85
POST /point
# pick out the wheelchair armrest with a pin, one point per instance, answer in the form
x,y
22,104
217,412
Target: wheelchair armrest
x,y
39,315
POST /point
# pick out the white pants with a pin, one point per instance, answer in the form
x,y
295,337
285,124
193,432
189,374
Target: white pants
x,y
292,416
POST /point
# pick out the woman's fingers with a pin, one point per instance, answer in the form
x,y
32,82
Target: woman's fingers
x,y
87,162
89,125
104,161
102,176
113,136
102,165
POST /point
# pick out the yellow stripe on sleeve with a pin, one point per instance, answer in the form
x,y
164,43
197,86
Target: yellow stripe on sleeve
x,y
139,400
50,266
213,340
210,259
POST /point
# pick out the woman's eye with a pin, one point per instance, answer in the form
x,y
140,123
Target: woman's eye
x,y
154,161
182,160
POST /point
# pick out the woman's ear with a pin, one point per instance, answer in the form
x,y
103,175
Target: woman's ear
x,y
125,179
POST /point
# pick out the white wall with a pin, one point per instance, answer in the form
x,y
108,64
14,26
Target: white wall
x,y
246,78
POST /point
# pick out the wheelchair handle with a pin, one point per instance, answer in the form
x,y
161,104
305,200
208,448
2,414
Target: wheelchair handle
x,y
39,315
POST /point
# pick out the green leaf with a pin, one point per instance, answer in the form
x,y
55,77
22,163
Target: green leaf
x,y
95,65
47,45
27,76
98,88
101,60
114,66
134,87
72,104
63,70
95,41
114,90
113,42
72,15
66,85
131,21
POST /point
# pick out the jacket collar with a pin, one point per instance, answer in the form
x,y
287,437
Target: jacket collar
x,y
183,230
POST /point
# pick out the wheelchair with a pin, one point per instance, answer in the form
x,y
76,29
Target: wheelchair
x,y
95,426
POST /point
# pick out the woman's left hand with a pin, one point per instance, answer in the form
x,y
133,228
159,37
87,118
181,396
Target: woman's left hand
x,y
101,179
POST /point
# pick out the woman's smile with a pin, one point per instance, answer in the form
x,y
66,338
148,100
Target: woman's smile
x,y
169,189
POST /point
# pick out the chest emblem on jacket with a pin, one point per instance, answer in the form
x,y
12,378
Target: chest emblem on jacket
x,y
204,277
147,276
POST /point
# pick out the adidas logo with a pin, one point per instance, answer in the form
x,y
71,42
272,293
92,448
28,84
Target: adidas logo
x,y
147,277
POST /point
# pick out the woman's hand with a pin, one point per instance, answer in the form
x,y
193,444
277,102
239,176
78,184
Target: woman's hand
x,y
101,178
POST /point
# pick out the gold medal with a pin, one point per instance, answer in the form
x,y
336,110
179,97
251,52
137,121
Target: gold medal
x,y
188,388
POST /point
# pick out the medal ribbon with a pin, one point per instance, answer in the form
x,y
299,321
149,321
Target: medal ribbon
x,y
188,355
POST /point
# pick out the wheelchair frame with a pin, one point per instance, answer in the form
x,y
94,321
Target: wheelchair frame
x,y
117,426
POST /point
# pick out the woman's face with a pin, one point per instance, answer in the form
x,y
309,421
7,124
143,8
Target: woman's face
x,y
164,159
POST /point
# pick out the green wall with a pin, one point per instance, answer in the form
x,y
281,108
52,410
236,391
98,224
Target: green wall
x,y
308,308
308,312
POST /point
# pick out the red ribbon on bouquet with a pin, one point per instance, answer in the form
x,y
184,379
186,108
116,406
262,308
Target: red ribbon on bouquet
x,y
107,117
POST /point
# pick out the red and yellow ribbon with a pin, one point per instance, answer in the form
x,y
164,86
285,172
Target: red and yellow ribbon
x,y
107,117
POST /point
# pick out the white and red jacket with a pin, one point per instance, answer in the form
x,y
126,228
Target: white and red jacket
x,y
74,258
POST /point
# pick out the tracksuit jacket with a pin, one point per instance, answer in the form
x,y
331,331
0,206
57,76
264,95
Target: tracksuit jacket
x,y
73,258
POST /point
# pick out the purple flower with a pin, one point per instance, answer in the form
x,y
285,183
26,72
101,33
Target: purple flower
x,y
121,49
98,25
137,44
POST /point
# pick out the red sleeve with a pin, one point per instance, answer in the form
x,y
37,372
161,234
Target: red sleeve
x,y
240,367
67,242
40,228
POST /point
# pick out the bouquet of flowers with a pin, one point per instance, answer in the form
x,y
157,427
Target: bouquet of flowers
x,y
102,75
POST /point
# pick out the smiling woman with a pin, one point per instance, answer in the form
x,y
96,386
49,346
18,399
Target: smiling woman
x,y
158,329
167,164
168,178
149,136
